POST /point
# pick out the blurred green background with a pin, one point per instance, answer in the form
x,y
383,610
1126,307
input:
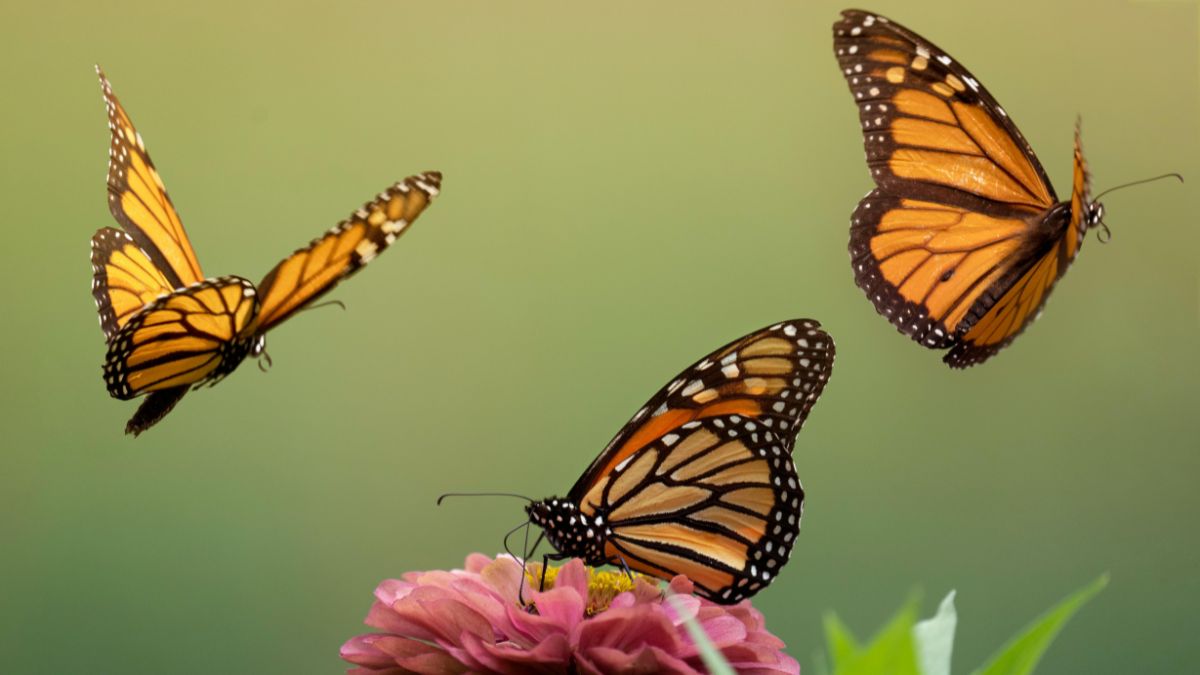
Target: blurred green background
x,y
627,186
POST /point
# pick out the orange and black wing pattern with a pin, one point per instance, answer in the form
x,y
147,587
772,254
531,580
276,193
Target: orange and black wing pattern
x,y
138,199
124,278
717,500
963,211
192,336
314,270
773,375
1027,291
701,481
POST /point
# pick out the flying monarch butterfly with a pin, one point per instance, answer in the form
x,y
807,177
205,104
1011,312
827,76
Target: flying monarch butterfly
x,y
169,328
963,238
701,481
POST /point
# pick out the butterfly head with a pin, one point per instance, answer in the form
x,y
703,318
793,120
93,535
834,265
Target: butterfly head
x,y
259,346
569,531
258,349
1093,215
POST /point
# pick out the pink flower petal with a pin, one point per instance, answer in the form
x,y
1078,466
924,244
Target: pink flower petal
x,y
418,657
646,661
470,620
376,671
628,629
723,631
548,657
573,575
477,562
505,576
361,650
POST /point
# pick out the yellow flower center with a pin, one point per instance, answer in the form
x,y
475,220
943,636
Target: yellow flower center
x,y
603,585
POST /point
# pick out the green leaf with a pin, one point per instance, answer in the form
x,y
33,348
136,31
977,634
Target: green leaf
x,y
1022,653
890,652
713,660
841,643
934,638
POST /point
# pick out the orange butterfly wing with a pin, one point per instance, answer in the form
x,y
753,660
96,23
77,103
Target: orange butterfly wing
x,y
964,218
125,279
717,500
138,199
776,373
180,339
189,337
1004,320
314,270
701,481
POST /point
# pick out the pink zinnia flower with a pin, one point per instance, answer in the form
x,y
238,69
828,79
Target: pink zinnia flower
x,y
470,621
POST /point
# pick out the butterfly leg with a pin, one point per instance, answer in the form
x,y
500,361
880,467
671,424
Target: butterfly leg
x,y
546,558
625,568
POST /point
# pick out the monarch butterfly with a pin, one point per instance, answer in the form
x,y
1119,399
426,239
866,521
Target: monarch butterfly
x,y
701,481
169,328
963,238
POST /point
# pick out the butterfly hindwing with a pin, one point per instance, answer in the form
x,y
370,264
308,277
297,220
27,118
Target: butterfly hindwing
x,y
717,500
314,270
188,337
124,279
138,199
927,265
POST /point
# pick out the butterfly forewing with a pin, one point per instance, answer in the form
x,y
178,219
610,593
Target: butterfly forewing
x,y
124,278
138,199
773,375
188,337
929,127
314,270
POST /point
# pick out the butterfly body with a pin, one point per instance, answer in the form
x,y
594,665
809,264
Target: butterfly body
x,y
964,237
701,481
169,328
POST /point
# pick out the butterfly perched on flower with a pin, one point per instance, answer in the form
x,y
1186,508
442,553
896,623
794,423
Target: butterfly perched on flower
x,y
963,238
168,327
701,481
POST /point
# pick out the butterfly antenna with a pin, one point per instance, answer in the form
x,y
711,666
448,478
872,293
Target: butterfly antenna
x,y
1139,182
482,494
